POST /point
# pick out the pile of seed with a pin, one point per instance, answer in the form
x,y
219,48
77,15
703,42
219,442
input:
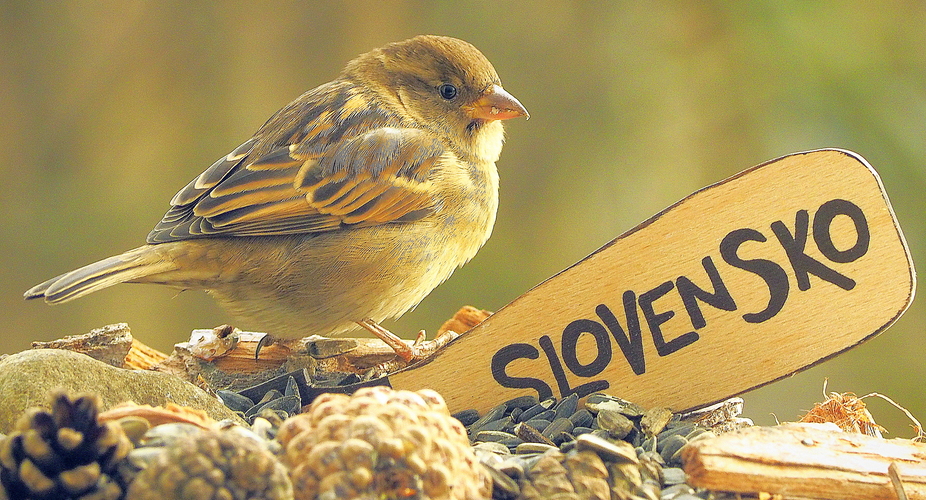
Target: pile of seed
x,y
284,404
606,448
609,448
284,394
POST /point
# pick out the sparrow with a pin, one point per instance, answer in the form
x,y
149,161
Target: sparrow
x,y
346,208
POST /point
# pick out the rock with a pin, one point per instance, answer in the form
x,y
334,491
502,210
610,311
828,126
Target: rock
x,y
27,377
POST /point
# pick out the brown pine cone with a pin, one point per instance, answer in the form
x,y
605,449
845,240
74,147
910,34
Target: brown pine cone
x,y
64,453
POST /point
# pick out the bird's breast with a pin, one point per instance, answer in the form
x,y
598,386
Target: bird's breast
x,y
467,206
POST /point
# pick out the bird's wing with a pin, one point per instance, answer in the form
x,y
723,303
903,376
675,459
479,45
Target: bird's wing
x,y
324,170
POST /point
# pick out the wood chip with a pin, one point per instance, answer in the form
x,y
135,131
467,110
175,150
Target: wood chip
x,y
806,460
142,357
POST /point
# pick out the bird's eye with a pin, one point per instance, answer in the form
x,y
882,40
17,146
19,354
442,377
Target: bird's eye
x,y
447,91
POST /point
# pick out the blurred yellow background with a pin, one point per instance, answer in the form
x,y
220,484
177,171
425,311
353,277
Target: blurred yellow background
x,y
108,108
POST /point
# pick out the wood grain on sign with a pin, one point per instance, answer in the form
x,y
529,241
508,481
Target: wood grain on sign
x,y
739,284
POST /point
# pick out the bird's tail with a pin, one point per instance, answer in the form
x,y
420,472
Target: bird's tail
x,y
129,266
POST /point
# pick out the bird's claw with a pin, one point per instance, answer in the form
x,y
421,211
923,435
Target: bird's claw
x,y
419,349
266,340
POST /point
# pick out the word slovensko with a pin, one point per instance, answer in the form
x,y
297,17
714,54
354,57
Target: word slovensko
x,y
606,327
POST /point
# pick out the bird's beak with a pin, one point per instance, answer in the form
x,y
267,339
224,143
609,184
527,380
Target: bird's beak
x,y
497,104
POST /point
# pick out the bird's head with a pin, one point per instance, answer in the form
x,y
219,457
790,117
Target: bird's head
x,y
443,84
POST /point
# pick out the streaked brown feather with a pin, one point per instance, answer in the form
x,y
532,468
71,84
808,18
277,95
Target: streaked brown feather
x,y
351,164
212,175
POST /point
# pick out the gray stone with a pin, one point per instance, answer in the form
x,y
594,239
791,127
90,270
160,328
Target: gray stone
x,y
27,377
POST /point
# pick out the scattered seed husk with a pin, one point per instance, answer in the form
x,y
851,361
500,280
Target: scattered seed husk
x,y
636,451
655,420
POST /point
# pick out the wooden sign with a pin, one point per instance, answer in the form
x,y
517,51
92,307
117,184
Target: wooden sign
x,y
741,283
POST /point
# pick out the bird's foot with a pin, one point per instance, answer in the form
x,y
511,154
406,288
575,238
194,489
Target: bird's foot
x,y
419,349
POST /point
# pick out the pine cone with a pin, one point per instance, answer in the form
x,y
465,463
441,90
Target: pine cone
x,y
213,465
381,443
63,454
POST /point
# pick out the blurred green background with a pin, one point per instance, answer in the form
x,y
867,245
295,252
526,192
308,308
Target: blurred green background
x,y
108,108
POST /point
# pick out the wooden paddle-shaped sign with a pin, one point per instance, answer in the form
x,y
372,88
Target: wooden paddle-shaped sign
x,y
741,283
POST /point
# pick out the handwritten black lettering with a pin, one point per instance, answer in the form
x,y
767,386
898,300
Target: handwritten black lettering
x,y
691,294
803,264
631,343
718,296
505,356
571,335
655,321
560,375
821,230
775,277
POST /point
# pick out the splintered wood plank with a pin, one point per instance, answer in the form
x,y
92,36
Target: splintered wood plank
x,y
741,283
806,460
